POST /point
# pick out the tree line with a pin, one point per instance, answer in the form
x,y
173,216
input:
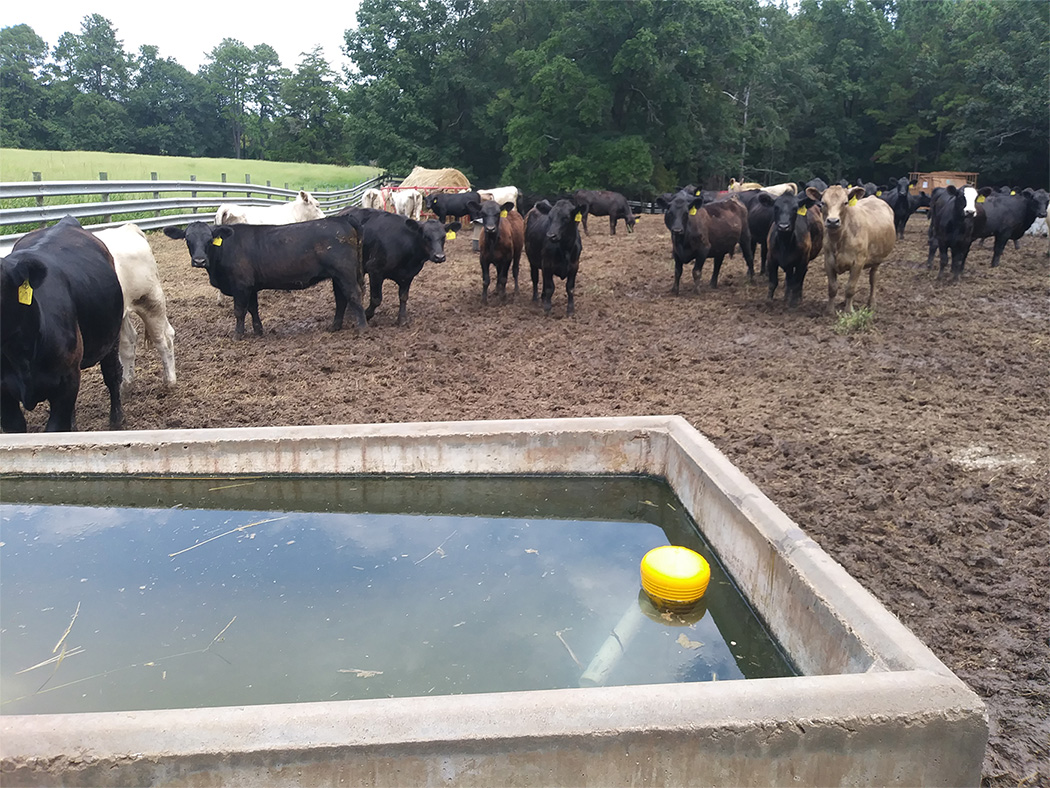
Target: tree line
x,y
638,96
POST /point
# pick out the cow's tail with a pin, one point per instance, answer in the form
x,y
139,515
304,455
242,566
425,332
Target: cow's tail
x,y
359,231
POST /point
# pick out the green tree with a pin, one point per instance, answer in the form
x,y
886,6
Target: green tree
x,y
26,118
311,129
228,72
94,61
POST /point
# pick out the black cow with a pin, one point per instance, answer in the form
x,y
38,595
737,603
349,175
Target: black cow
x,y
699,231
61,308
895,194
1008,217
395,247
952,215
242,259
796,236
605,203
815,183
502,239
444,204
553,246
759,220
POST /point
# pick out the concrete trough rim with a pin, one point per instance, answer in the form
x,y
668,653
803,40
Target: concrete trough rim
x,y
891,675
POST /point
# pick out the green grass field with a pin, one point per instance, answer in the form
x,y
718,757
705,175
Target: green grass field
x,y
19,165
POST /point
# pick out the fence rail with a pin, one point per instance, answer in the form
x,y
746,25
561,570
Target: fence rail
x,y
188,201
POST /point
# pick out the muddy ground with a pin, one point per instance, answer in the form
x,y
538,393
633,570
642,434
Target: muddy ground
x,y
915,452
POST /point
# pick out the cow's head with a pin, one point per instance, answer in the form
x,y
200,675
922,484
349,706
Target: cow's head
x,y
562,220
787,208
679,209
1040,197
21,273
308,207
965,200
434,234
204,241
488,213
836,200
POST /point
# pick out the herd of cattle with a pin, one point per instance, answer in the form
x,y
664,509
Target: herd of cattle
x,y
67,295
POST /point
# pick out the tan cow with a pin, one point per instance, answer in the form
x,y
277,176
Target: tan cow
x,y
781,188
860,235
737,186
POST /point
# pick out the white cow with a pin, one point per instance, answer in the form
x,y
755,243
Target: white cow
x,y
781,188
374,198
407,202
501,194
302,209
143,295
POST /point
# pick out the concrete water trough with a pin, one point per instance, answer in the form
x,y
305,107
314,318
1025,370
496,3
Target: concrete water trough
x,y
873,705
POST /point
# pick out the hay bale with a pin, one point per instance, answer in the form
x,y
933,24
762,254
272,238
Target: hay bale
x,y
421,177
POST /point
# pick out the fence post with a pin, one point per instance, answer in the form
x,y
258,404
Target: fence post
x,y
156,195
268,196
247,180
224,181
40,198
194,194
104,176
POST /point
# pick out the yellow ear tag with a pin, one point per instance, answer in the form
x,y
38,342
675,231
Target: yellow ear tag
x,y
1012,192
852,201
697,193
980,198
801,211
25,293
216,242
502,214
878,193
579,217
450,235
692,211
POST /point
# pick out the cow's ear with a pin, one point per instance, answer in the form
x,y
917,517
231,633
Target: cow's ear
x,y
662,203
222,231
30,270
814,194
1029,192
766,198
507,206
176,233
413,225
856,193
453,227
985,191
543,206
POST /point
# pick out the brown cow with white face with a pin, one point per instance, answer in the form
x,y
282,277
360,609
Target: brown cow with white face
x,y
859,236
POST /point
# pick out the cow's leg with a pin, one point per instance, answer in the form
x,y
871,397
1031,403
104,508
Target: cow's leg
x,y
402,294
851,285
502,271
716,266
833,286
129,338
12,419
932,243
346,293
583,222
795,291
774,280
944,260
535,274
253,309
677,276
1000,245
63,402
162,335
872,272
698,269
570,292
749,257
240,304
111,376
765,256
548,290
485,280
514,269
612,225
375,295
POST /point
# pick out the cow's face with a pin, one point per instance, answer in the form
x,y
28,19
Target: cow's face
x,y
786,209
434,235
561,220
1041,198
309,207
835,200
677,212
489,213
969,200
204,241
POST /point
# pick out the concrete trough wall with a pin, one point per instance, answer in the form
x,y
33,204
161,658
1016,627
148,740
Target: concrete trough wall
x,y
875,706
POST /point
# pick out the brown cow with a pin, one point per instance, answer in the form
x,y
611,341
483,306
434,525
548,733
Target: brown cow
x,y
700,231
502,239
860,235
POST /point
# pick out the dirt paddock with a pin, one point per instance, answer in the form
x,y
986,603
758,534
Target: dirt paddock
x,y
915,452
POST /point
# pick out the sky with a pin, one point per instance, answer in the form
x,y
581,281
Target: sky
x,y
187,36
